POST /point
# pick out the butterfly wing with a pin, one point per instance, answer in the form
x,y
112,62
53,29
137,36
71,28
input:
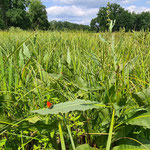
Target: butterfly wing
x,y
49,105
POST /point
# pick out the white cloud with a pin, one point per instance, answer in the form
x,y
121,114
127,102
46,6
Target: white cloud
x,y
137,9
88,3
147,2
71,13
127,1
81,11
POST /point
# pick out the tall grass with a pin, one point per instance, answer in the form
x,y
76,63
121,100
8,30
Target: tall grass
x,y
36,67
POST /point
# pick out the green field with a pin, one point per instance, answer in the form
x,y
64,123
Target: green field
x,y
111,70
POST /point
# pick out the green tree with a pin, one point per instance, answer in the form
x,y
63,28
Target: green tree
x,y
4,7
2,24
143,21
59,25
94,25
38,15
18,17
13,13
112,12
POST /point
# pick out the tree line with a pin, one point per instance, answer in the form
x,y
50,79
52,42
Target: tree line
x,y
123,19
26,14
31,14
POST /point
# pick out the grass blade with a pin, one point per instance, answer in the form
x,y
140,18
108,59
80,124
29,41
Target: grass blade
x,y
110,131
61,137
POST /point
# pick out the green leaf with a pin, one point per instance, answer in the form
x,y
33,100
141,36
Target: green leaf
x,y
54,75
46,58
110,131
130,65
142,96
102,39
2,142
133,144
68,57
4,121
33,119
49,76
142,120
21,60
80,105
80,82
128,147
61,137
26,51
85,147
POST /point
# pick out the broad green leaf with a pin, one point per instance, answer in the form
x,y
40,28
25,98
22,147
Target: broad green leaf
x,y
133,144
80,105
49,76
142,96
33,119
40,125
85,147
80,81
26,51
142,120
134,112
128,147
130,65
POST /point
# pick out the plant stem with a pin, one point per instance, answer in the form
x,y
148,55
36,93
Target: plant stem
x,y
110,131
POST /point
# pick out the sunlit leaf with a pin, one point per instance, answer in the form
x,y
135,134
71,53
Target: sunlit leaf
x,y
80,105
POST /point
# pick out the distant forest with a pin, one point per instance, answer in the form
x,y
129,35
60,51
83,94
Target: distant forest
x,y
32,15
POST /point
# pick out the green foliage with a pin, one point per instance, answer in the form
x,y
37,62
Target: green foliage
x,y
38,15
14,13
84,147
18,17
132,144
124,19
143,97
110,70
80,105
2,24
141,120
59,25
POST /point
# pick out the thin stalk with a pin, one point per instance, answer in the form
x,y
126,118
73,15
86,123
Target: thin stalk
x,y
69,131
22,145
61,137
110,131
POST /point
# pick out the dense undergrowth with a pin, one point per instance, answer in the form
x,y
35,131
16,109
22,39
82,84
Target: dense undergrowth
x,y
112,69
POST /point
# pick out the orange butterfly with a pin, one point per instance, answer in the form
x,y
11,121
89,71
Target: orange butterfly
x,y
49,105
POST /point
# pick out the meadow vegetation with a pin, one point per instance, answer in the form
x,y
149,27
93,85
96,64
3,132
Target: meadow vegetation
x,y
105,74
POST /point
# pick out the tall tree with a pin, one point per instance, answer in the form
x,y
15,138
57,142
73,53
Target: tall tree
x,y
13,13
143,20
38,15
114,12
4,7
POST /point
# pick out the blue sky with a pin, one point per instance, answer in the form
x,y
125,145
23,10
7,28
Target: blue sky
x,y
82,11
